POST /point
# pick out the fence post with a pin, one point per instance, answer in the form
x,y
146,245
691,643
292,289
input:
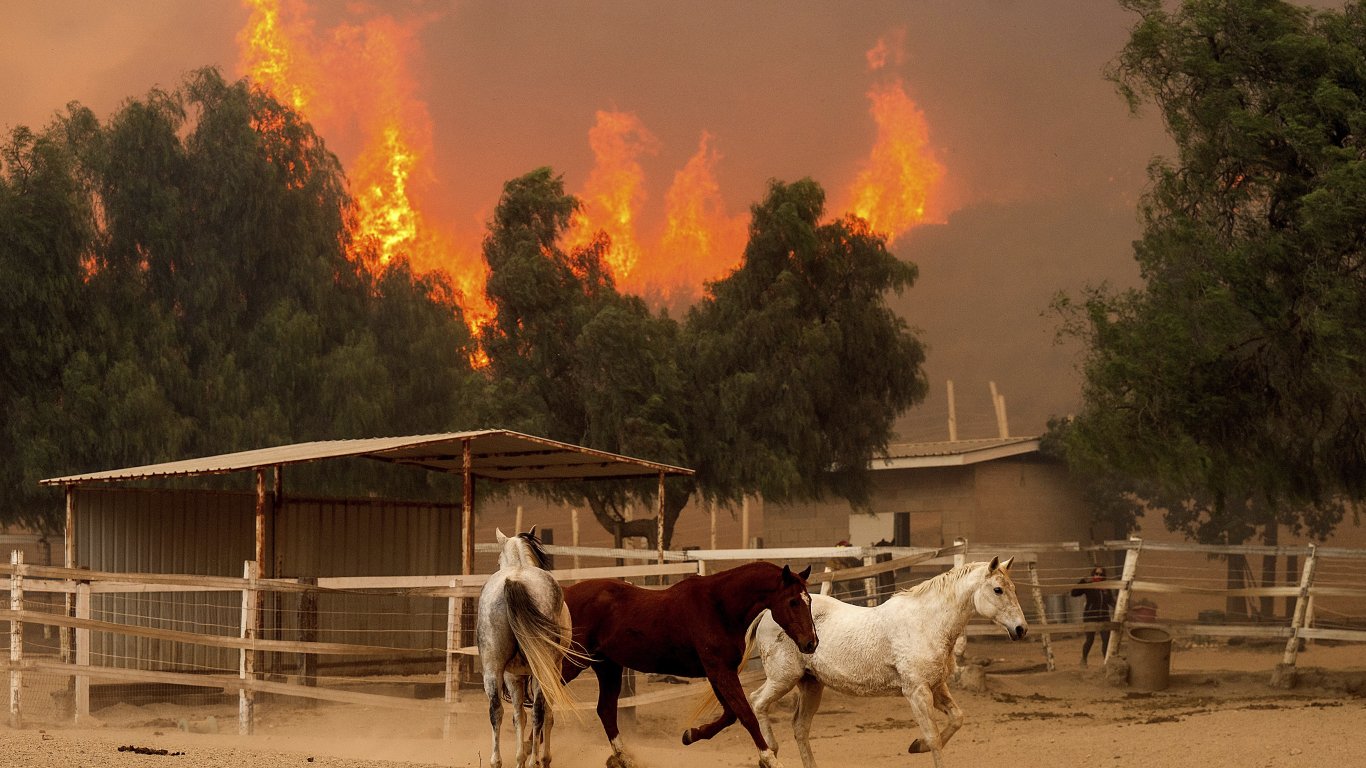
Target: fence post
x,y
308,633
960,559
1043,615
1284,675
81,703
16,636
1122,602
870,583
246,669
828,583
452,659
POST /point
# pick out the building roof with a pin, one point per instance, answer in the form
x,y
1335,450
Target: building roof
x,y
955,453
496,454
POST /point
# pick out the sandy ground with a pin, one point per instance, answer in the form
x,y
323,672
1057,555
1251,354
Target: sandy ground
x,y
1219,711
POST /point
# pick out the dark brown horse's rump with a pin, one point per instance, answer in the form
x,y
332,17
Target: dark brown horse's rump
x,y
643,629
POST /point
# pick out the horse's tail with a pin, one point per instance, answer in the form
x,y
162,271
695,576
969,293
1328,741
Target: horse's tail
x,y
706,700
544,641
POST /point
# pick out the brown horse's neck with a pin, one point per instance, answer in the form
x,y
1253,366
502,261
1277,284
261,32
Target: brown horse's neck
x,y
744,592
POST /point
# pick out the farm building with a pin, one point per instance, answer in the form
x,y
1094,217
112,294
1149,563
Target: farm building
x,y
999,490
116,528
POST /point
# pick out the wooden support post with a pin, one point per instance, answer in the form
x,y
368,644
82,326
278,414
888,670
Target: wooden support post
x,y
66,639
517,523
1122,601
574,533
246,668
713,525
960,558
953,415
1043,616
81,702
828,583
16,638
452,659
998,405
659,520
308,632
466,628
1284,676
69,561
744,523
870,584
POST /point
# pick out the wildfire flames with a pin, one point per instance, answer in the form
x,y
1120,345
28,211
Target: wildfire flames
x,y
342,93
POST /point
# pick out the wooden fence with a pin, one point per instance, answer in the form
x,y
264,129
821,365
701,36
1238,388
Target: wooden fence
x,y
880,571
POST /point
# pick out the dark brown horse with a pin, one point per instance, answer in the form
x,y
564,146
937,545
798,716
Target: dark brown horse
x,y
695,628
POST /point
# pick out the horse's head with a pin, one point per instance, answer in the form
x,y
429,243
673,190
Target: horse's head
x,y
523,549
790,606
995,599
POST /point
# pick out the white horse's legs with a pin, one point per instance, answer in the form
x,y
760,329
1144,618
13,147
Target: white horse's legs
x,y
922,706
809,691
943,701
516,685
495,697
783,669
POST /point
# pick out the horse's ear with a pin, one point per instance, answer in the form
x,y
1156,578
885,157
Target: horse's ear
x,y
1005,565
806,573
787,574
995,563
502,537
532,532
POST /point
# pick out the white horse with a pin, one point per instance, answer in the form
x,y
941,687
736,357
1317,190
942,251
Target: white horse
x,y
523,634
903,646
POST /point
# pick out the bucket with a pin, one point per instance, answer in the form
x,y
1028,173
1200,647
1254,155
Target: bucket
x,y
1055,606
1150,658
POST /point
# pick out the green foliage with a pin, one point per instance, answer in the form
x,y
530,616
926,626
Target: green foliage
x,y
798,365
175,282
1232,384
180,284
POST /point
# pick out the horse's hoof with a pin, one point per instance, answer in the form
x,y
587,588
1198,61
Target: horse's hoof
x,y
916,747
687,737
615,761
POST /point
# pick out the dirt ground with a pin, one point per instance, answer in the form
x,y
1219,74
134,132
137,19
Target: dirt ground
x,y
1219,711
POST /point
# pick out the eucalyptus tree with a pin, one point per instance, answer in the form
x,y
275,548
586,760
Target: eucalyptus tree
x,y
1232,384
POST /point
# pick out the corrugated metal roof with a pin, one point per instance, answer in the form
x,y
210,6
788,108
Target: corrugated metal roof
x,y
495,454
954,453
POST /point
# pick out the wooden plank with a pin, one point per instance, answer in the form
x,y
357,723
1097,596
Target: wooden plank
x,y
216,641
230,683
864,571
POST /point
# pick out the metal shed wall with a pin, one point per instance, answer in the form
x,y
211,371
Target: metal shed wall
x,y
211,533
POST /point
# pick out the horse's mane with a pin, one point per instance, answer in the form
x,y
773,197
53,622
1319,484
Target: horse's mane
x,y
537,550
942,583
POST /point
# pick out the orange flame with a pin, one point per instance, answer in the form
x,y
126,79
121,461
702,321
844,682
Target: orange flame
x,y
615,190
356,88
358,76
701,242
901,176
268,58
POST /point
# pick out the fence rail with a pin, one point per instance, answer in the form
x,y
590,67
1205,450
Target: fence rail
x,y
860,574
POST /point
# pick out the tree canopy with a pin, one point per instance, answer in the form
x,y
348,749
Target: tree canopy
x,y
1232,386
175,282
182,280
784,380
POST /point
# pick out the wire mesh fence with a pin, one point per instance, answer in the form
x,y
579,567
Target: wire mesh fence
x,y
101,642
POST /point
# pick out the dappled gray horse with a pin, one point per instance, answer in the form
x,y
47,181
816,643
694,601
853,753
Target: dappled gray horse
x,y
523,634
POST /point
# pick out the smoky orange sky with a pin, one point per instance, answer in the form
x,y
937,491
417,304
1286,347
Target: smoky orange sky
x,y
1042,163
